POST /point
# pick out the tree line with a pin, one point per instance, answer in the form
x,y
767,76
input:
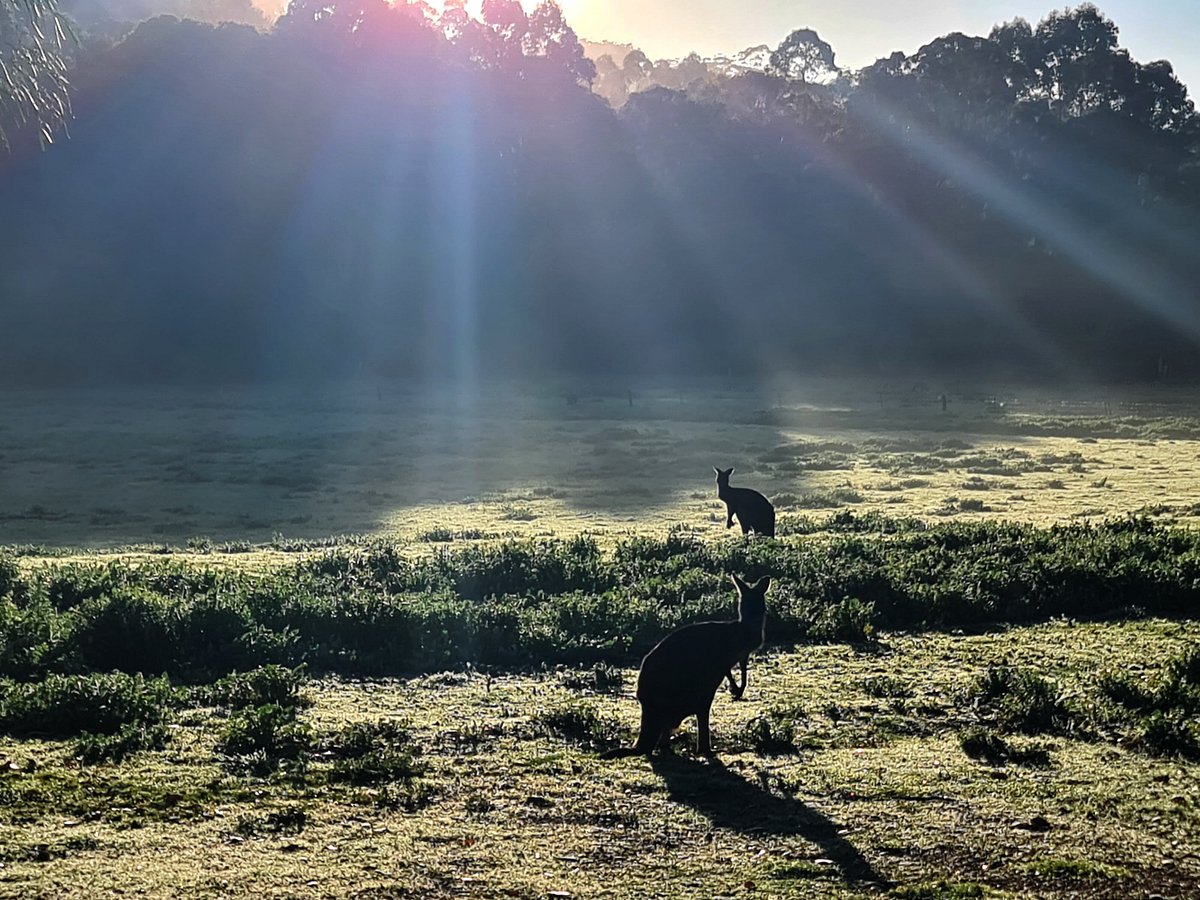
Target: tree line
x,y
378,188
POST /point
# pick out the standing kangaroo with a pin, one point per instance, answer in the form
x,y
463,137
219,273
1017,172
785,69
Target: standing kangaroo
x,y
680,676
753,510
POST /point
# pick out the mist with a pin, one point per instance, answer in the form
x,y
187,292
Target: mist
x,y
373,191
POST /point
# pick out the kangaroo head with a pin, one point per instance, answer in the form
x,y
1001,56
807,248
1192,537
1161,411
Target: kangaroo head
x,y
752,599
723,475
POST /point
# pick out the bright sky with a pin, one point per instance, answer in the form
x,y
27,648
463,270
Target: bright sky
x,y
864,30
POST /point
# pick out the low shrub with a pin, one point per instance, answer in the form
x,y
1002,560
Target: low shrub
x,y
10,575
290,819
130,739
990,747
773,733
31,638
266,735
270,684
66,706
1170,734
373,753
132,629
887,687
367,607
601,678
1162,713
1021,701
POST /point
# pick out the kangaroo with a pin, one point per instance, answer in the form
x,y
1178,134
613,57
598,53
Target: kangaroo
x,y
753,510
680,676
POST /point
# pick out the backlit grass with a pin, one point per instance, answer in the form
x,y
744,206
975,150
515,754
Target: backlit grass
x,y
878,796
223,474
506,563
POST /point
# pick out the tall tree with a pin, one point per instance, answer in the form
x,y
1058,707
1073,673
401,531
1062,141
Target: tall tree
x,y
802,56
1075,61
548,35
505,33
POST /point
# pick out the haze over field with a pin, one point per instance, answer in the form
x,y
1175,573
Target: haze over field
x,y
373,190
381,382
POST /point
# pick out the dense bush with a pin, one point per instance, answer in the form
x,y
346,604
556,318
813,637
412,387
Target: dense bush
x,y
132,629
128,740
270,684
63,706
368,608
31,637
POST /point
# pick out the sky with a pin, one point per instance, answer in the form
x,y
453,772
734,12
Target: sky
x,y
865,30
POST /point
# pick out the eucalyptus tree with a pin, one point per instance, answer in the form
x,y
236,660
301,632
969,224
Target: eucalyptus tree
x,y
802,56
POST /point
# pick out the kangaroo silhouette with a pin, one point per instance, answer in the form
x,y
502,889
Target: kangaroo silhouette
x,y
680,676
753,510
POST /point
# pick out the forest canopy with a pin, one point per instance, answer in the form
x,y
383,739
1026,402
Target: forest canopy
x,y
381,188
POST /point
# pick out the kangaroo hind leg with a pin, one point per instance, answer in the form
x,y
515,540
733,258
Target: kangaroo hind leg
x,y
703,734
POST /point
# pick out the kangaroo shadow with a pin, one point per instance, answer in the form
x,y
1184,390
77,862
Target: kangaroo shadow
x,y
730,801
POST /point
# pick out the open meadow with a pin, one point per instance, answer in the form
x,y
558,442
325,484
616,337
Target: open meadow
x,y
370,644
107,470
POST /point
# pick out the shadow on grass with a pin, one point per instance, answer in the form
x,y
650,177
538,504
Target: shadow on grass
x,y
730,801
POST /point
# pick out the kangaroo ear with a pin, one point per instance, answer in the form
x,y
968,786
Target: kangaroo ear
x,y
762,585
730,472
715,469
739,584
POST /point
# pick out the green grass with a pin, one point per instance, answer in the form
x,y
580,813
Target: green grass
x,y
250,479
981,679
417,784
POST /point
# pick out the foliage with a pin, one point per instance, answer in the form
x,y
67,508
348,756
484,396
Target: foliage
x,y
991,747
371,610
998,166
70,705
601,678
290,819
34,86
802,56
1021,700
774,732
1163,714
264,736
10,574
131,738
887,686
580,722
270,684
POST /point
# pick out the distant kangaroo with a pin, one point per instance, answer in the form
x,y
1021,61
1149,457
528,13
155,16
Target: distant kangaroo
x,y
680,676
753,510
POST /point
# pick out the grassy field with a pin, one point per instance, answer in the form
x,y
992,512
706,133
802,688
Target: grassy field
x,y
875,794
109,470
945,708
